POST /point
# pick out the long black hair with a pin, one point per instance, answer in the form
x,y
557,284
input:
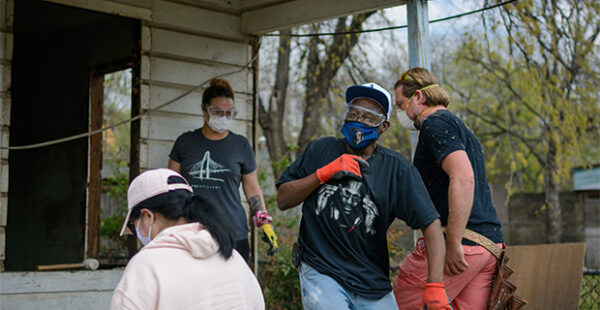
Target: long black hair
x,y
181,203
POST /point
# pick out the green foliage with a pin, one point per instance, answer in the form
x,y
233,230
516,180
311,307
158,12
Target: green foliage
x,y
277,275
532,99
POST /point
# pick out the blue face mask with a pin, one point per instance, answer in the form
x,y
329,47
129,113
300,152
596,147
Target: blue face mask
x,y
358,135
144,240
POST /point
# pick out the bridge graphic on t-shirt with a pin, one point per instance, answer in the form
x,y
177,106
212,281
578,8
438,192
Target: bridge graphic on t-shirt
x,y
206,168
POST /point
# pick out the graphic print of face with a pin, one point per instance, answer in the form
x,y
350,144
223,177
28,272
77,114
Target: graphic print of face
x,y
349,205
351,196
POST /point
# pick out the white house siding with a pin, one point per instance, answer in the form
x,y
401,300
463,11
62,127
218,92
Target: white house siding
x,y
81,290
6,34
184,46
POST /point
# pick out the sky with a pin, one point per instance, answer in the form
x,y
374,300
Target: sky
x,y
436,10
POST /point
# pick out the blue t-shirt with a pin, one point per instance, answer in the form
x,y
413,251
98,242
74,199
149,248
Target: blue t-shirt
x,y
214,169
344,222
441,134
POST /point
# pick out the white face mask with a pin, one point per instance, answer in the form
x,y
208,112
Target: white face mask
x,y
143,240
219,124
404,120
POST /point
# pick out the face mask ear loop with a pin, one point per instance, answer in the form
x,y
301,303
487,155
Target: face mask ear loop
x,y
149,232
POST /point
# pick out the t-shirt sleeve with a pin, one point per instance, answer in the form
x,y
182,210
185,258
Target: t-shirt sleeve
x,y
414,205
298,169
176,151
248,161
441,138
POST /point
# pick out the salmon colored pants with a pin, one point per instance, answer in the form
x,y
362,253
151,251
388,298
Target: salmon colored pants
x,y
468,290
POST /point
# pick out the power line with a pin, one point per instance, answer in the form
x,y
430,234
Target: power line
x,y
90,133
392,27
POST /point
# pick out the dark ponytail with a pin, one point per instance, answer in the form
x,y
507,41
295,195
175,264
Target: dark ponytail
x,y
202,211
181,203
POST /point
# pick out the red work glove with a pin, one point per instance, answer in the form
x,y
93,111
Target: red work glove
x,y
345,165
261,218
435,297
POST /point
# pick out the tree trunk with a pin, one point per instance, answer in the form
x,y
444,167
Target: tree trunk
x,y
271,121
554,218
320,73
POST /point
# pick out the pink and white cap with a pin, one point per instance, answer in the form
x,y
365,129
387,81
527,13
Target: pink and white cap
x,y
149,184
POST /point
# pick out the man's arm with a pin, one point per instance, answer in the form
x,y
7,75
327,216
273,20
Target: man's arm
x,y
292,193
253,192
434,241
175,166
460,201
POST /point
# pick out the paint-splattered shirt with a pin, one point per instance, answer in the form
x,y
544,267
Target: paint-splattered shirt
x,y
344,222
441,134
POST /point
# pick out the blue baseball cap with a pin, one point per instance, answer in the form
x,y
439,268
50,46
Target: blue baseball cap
x,y
371,91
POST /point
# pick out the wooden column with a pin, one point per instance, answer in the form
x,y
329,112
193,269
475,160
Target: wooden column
x,y
95,164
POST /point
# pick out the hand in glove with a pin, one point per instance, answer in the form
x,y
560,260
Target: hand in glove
x,y
345,165
435,297
270,237
263,220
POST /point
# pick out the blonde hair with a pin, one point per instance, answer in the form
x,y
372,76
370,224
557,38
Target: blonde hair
x,y
418,78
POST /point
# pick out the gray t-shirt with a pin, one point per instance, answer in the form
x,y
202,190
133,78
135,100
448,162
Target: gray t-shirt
x,y
214,169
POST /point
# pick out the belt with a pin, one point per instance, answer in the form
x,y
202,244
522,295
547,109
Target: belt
x,y
482,241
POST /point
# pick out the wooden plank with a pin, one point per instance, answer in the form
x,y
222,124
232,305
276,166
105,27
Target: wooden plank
x,y
548,276
95,165
3,208
189,74
5,108
146,38
157,153
58,281
168,126
190,104
4,141
145,68
4,169
294,13
2,245
193,19
88,300
201,48
110,7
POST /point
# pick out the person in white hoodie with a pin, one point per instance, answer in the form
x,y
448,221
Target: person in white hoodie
x,y
188,260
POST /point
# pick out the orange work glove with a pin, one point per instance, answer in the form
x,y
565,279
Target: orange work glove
x,y
345,165
435,297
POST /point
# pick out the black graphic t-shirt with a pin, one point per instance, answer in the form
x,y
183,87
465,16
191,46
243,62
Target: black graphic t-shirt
x,y
344,222
214,169
441,134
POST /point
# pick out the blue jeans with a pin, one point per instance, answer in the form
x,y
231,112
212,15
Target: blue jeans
x,y
321,292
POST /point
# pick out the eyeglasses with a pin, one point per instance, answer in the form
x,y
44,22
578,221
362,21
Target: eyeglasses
x,y
368,117
220,113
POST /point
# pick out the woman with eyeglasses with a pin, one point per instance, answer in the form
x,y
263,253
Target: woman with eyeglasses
x,y
187,261
215,161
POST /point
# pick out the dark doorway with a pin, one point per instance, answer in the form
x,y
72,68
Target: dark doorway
x,y
56,49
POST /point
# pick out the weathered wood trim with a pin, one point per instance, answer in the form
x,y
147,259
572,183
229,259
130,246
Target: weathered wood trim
x,y
294,13
192,74
6,45
194,48
109,7
95,164
58,281
206,22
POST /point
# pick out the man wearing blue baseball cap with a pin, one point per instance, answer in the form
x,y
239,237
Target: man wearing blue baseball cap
x,y
351,190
